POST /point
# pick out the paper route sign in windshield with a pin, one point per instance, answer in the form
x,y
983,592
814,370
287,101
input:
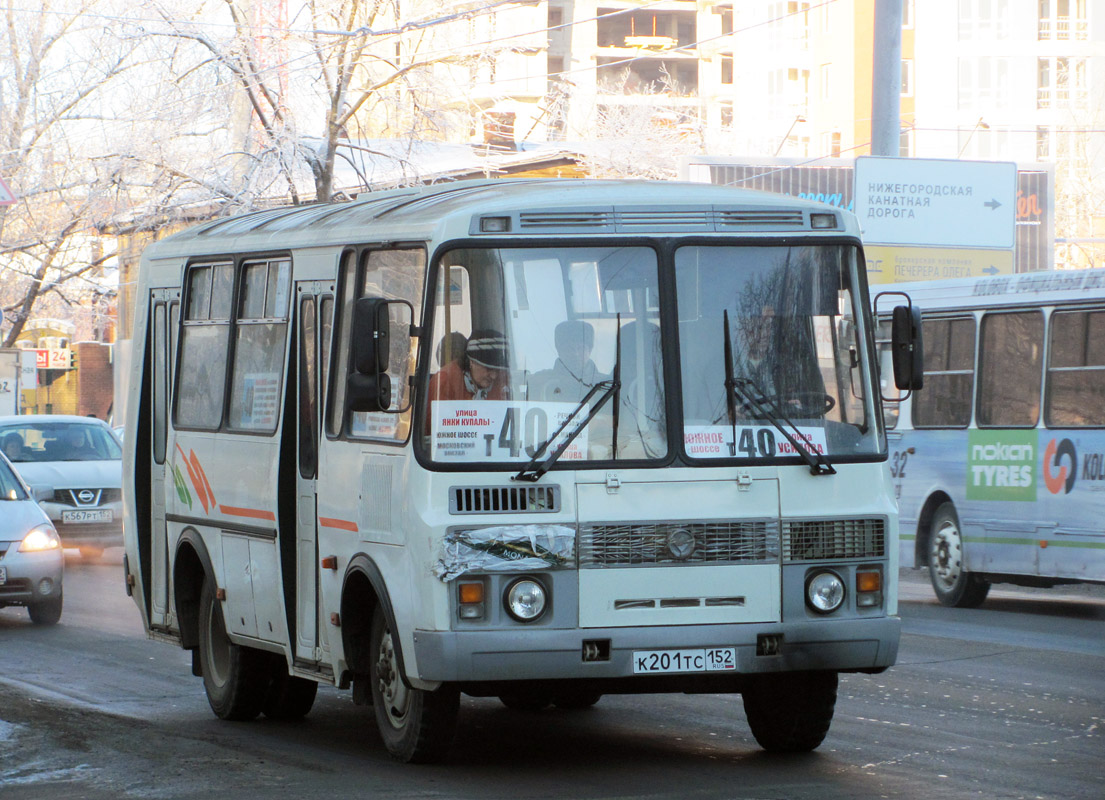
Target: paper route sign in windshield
x,y
501,430
752,441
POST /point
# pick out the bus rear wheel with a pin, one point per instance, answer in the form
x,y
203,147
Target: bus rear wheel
x,y
235,678
790,712
953,584
417,726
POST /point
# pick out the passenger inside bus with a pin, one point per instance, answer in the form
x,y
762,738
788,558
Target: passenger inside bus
x,y
574,373
481,373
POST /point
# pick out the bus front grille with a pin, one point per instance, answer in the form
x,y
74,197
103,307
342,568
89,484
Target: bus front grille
x,y
503,499
817,539
675,543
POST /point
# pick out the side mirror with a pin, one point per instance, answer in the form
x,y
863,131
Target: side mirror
x,y
907,348
370,335
380,326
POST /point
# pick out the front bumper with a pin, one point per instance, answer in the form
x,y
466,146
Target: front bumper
x,y
28,574
859,645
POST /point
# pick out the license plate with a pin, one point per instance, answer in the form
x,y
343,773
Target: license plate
x,y
3,575
709,659
98,515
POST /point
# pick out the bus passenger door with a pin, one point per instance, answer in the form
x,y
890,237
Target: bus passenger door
x,y
314,316
164,305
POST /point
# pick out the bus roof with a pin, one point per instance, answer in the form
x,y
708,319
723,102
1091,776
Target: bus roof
x,y
1024,289
536,207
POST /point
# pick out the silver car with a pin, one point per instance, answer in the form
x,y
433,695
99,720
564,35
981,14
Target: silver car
x,y
80,458
31,559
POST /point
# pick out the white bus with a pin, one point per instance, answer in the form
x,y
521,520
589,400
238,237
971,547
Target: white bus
x,y
999,462
507,439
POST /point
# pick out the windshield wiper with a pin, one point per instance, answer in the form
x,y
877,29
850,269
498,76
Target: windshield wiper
x,y
532,472
610,388
751,392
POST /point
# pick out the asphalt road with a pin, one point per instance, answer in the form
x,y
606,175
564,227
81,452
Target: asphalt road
x,y
1006,701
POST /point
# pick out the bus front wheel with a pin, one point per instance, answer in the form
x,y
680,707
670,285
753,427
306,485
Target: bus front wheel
x,y
417,726
953,584
235,678
790,712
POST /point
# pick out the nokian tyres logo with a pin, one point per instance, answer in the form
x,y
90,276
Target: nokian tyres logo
x,y
1001,465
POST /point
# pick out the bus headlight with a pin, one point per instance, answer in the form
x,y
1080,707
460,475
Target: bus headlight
x,y
824,592
525,599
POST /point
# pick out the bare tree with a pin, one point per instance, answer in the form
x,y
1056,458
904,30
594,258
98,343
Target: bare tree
x,y
337,72
56,62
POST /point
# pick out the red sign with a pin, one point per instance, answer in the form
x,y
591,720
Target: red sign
x,y
53,358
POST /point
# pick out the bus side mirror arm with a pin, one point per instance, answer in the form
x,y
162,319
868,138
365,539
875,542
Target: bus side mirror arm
x,y
906,345
369,386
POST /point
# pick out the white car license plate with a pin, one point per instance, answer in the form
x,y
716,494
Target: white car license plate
x,y
3,575
97,515
709,659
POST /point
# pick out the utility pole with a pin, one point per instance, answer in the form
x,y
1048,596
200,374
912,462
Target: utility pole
x,y
886,85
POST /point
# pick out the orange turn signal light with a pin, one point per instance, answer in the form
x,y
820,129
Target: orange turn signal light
x,y
868,581
471,593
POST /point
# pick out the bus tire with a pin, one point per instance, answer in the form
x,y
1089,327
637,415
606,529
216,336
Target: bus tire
x,y
417,726
790,712
235,678
953,584
288,697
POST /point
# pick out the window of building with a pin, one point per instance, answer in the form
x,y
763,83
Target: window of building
x,y
984,19
1076,370
905,143
1062,19
1043,142
1010,372
556,16
907,77
949,374
727,68
907,13
826,81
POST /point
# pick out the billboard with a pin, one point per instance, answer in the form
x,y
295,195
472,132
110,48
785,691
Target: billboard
x,y
830,180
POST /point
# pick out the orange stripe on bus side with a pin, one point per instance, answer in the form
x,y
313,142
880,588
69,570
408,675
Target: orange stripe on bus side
x,y
252,513
341,524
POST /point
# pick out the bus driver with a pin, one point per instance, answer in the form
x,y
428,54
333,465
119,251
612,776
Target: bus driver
x,y
479,374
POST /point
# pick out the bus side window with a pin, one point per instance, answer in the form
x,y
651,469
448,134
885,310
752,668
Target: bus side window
x,y
1012,353
262,324
949,374
203,347
1076,370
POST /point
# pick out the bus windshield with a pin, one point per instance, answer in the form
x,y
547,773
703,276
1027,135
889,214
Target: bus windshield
x,y
786,317
522,335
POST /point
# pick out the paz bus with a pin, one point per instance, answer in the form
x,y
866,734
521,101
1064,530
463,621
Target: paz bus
x,y
497,438
999,462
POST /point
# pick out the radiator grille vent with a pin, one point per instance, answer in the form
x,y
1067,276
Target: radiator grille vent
x,y
807,540
671,543
503,499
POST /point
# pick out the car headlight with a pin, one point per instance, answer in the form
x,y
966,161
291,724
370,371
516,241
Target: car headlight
x,y
44,537
525,599
825,592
